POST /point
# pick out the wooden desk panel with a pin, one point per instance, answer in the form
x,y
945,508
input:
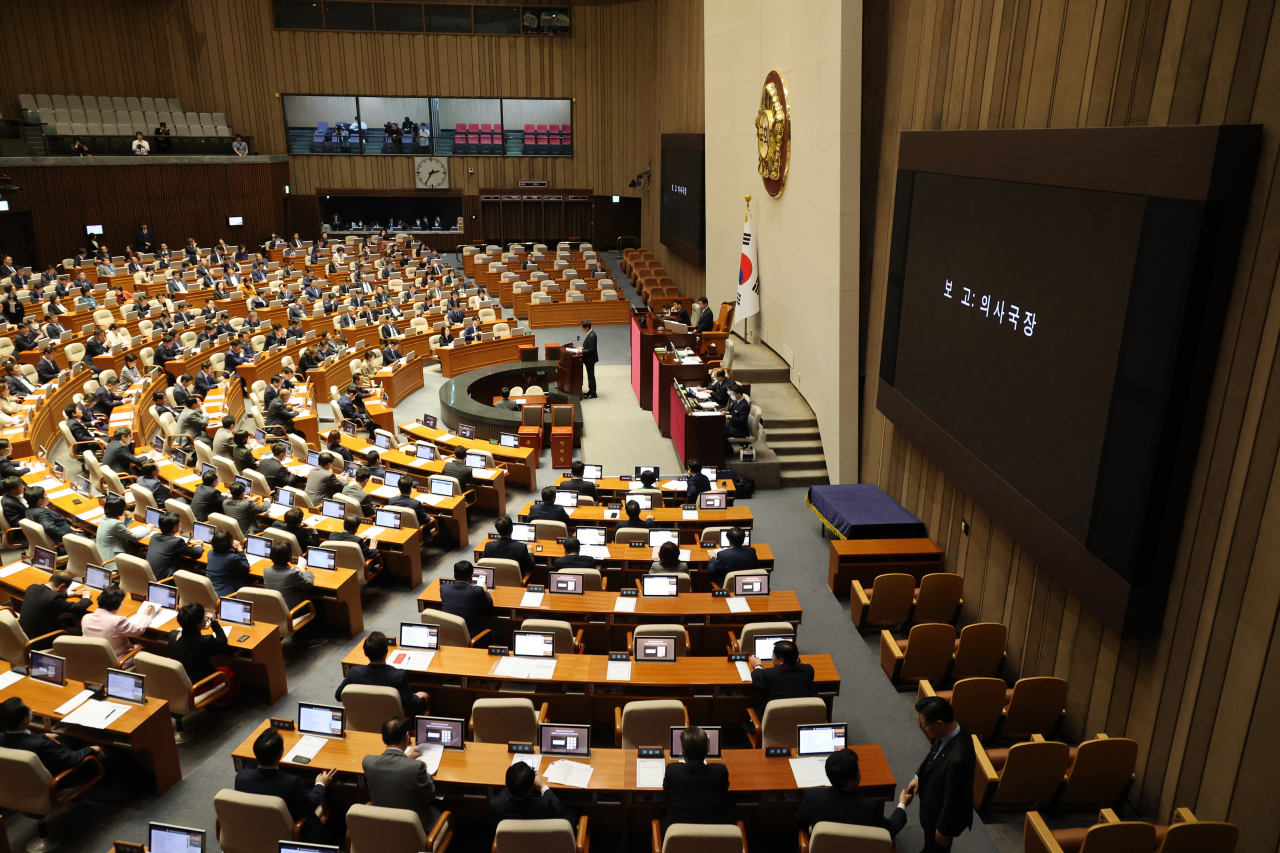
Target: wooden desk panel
x,y
543,315
864,559
602,516
644,338
456,360
612,489
399,382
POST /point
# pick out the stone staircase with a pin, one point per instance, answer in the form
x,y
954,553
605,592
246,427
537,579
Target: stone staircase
x,y
799,449
792,441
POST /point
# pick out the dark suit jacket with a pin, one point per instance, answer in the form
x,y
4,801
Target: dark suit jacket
x,y
384,675
946,787
52,522
207,499
458,470
193,652
741,559
343,536
705,320
158,490
278,415
625,522
552,513
276,474
539,805
696,485
471,603
79,431
119,458
14,509
696,793
46,370
202,384
42,607
582,487
228,572
307,538
55,757
821,804
424,519
164,552
105,401
509,549
783,682
181,395
589,354
301,798
246,513
739,426
573,561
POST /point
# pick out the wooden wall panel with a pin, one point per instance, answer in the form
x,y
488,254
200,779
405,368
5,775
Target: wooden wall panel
x,y
633,68
1198,697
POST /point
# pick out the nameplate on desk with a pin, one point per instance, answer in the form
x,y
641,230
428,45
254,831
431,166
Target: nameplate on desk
x,y
639,544
280,724
534,587
498,651
494,536
649,752
734,657
719,593
129,847
628,593
560,540
615,506
520,747
688,506
625,478
777,751
619,656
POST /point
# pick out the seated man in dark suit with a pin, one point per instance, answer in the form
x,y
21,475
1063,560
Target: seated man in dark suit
x,y
548,509
506,548
148,480
292,522
207,498
106,398
572,559
350,525
457,468
15,725
46,368
697,792
272,467
577,484
787,679
376,673
406,500
526,797
45,609
841,803
696,482
119,453
736,558
705,318
79,431
39,511
719,387
739,413
166,549
473,604
633,519
300,797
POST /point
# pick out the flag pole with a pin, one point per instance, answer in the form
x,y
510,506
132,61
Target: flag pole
x,y
746,325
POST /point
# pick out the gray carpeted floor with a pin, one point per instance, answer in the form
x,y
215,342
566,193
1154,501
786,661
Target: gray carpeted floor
x,y
618,435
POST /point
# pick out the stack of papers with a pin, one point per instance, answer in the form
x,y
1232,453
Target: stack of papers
x,y
531,599
619,670
624,605
433,500
431,755
188,480
71,704
277,510
533,761
96,715
418,661
484,473
386,492
572,774
90,515
738,605
61,493
744,671
810,772
650,772
307,747
10,677
676,485
595,552
13,570
513,667
689,515
373,532
448,436
313,520
48,483
163,615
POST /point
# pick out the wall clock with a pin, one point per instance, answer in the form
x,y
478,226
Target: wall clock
x,y
773,134
431,173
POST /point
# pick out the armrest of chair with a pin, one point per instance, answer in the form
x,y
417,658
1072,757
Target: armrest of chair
x,y
297,828
604,584
305,605
617,727
804,841
656,827
443,826
1182,815
584,836
1037,837
66,795
891,656
1110,816
986,775
756,737
577,642
859,604
925,690
81,446
201,685
733,645
542,713
31,643
128,656
477,637
743,829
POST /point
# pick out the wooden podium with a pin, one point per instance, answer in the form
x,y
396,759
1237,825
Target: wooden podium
x,y
569,371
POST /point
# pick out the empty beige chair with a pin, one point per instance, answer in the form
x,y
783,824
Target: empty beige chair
x,y
135,573
195,589
886,605
36,537
1114,836
374,829
142,498
408,518
1035,705
566,643
701,838
631,534
89,658
781,716
829,837
260,487
453,629
26,786
647,723
269,606
168,680
505,720
938,598
347,555
227,523
747,642
1022,775
549,530
15,645
226,469
1101,773
81,553
925,654
659,629
980,650
552,835
368,707
505,572
252,823
592,580
978,703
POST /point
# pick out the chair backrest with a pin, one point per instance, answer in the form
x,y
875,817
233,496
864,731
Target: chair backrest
x,y
24,782
142,498
648,722
227,523
453,629
251,823
368,707
891,597
938,598
549,835
829,837
504,720
631,534
268,606
1032,772
88,658
167,679
35,534
194,588
348,556
977,703
186,518
747,640
1102,771
505,572
376,829
561,630
135,574
13,640
277,535
81,552
929,652
549,529
703,838
781,716
408,518
1197,837
980,651
226,469
592,581
1036,706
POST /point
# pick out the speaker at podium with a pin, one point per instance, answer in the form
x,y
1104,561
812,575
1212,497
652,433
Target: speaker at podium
x,y
569,370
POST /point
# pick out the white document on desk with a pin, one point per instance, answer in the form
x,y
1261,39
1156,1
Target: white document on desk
x,y
484,473
676,485
573,774
373,532
187,481
744,671
431,755
277,510
544,669
11,677
619,670
512,667
595,552
387,492
650,772
738,605
611,514
448,436
688,515
13,570
531,599
48,483
163,615
433,500
534,761
71,704
95,513
624,605
307,747
417,661
61,493
313,520
810,772
96,715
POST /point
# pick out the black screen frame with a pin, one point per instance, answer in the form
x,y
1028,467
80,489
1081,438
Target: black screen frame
x,y
680,247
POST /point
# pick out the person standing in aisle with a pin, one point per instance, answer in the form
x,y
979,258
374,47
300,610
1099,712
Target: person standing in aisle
x,y
589,358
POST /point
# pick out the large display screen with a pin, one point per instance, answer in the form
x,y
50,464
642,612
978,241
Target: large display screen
x,y
683,182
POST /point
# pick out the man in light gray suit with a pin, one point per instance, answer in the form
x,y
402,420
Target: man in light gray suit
x,y
323,483
223,439
194,422
397,779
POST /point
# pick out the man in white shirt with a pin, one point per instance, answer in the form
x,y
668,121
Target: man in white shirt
x,y
140,146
